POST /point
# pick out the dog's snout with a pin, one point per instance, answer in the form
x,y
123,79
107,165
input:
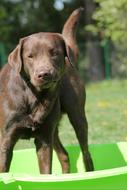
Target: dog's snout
x,y
44,75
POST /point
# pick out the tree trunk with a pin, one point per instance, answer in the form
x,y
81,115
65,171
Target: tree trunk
x,y
94,50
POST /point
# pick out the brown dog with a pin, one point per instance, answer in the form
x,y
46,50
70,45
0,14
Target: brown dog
x,y
36,86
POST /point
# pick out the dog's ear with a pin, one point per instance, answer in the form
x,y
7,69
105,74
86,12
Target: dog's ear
x,y
15,58
69,57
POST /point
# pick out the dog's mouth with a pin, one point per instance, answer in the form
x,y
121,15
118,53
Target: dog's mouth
x,y
44,84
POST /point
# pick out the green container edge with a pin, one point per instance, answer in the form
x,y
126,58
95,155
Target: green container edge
x,y
113,175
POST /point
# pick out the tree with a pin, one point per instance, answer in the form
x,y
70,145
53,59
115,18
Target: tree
x,y
94,49
21,18
111,19
111,23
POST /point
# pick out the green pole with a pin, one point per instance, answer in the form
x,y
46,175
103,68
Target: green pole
x,y
2,54
107,58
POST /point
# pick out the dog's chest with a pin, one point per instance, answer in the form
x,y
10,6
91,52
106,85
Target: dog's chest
x,y
39,106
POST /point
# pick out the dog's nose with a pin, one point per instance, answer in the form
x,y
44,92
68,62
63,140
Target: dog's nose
x,y
44,75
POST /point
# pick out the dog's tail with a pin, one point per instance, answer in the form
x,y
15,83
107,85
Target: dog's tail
x,y
69,31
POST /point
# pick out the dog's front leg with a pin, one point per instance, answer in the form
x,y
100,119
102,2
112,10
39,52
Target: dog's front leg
x,y
44,139
7,143
44,148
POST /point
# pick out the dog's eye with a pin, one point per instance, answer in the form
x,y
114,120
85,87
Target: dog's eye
x,y
30,56
53,52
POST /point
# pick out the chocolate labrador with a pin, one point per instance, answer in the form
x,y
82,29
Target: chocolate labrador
x,y
37,85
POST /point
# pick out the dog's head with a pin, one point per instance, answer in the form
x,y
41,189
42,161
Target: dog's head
x,y
42,57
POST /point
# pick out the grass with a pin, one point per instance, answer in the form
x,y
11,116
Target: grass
x,y
106,109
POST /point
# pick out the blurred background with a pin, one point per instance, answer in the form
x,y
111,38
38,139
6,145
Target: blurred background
x,y
102,39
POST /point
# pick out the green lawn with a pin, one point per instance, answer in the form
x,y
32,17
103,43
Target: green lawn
x,y
107,111
106,108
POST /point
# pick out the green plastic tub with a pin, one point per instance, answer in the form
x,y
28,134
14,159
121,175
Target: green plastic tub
x,y
110,173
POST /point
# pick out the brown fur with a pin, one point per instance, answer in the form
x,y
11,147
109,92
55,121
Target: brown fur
x,y
36,86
